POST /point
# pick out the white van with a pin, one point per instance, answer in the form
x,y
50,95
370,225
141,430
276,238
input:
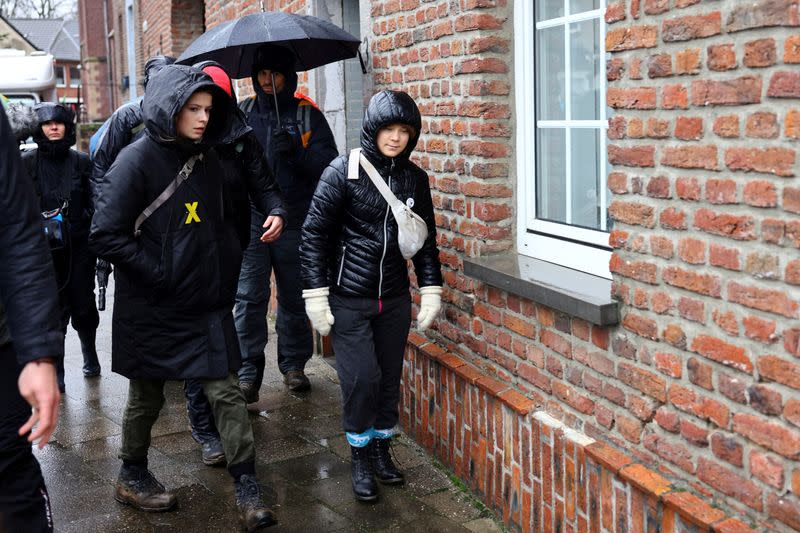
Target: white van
x,y
29,79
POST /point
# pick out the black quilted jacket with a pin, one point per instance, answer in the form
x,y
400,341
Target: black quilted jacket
x,y
349,239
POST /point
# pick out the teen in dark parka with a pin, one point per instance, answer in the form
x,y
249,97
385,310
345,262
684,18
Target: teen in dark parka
x,y
176,281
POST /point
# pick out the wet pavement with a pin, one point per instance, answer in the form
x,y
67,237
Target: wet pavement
x,y
302,461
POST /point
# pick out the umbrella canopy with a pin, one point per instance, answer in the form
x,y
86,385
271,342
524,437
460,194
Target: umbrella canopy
x,y
3,100
233,44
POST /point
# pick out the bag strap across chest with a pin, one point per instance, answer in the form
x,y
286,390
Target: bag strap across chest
x,y
182,176
357,159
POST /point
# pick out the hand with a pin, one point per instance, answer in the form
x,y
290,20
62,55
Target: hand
x,y
429,306
37,384
282,143
273,226
318,309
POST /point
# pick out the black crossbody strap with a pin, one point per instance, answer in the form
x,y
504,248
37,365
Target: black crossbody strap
x,y
182,176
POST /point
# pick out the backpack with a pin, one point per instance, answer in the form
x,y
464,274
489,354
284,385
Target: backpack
x,y
303,116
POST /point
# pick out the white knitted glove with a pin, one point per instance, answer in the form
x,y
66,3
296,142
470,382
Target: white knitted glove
x,y
318,309
429,306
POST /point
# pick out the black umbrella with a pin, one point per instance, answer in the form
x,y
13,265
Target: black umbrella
x,y
233,44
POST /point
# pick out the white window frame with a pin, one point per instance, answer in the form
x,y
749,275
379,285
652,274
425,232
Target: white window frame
x,y
578,248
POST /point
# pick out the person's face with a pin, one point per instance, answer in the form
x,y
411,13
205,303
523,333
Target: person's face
x,y
393,139
265,81
193,116
53,130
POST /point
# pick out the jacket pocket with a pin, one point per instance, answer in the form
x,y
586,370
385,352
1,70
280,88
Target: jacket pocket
x,y
190,266
341,266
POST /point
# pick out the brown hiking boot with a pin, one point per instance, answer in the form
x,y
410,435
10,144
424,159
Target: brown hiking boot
x,y
136,486
297,381
253,512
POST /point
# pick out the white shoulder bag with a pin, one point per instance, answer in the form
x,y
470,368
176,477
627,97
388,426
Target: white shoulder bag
x,y
411,229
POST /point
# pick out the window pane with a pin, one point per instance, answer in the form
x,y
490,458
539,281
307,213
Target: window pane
x,y
551,158
59,75
585,178
550,87
585,82
74,77
579,6
549,9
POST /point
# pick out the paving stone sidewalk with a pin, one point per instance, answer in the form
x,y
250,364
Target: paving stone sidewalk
x,y
302,459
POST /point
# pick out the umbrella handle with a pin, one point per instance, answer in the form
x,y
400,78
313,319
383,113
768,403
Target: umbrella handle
x,y
275,97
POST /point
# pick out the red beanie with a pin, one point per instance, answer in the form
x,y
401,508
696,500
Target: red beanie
x,y
220,78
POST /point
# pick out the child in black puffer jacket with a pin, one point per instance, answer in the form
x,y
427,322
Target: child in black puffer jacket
x,y
356,280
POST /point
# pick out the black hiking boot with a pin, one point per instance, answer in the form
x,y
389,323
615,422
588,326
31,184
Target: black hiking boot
x,y
213,453
253,512
385,470
91,364
364,487
136,486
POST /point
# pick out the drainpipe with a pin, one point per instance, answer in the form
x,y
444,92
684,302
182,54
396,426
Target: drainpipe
x,y
109,59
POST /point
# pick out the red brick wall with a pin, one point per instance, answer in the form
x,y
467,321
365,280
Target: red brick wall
x,y
188,23
169,31
94,74
534,472
700,379
705,198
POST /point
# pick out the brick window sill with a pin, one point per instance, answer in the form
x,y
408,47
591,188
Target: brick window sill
x,y
575,293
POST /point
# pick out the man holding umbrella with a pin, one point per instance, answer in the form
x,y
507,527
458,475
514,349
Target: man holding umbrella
x,y
299,143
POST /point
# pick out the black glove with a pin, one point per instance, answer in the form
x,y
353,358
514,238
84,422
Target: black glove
x,y
282,143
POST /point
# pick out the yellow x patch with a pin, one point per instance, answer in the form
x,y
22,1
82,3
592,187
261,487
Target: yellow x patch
x,y
192,216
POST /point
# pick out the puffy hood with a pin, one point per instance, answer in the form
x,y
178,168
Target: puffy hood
x,y
168,91
46,112
278,59
389,107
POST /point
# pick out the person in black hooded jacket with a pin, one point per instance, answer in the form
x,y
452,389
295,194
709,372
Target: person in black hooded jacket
x,y
61,179
123,127
176,275
356,280
299,144
31,343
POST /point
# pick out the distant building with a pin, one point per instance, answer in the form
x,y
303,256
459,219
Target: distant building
x,y
60,38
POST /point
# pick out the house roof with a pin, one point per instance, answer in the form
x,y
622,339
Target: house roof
x,y
54,36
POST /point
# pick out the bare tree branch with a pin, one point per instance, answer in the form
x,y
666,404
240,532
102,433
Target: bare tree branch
x,y
38,8
14,8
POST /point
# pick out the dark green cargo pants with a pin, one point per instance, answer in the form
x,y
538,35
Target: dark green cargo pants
x,y
146,397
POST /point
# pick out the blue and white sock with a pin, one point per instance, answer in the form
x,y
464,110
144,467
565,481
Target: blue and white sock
x,y
359,440
385,433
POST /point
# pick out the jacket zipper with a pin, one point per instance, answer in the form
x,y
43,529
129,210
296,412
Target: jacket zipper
x,y
383,255
341,266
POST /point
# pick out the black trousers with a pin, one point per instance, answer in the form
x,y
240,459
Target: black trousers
x,y
369,339
24,504
201,415
75,270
